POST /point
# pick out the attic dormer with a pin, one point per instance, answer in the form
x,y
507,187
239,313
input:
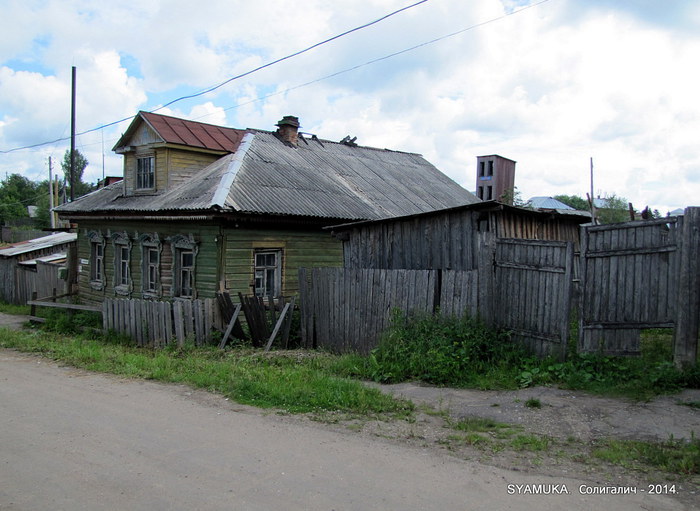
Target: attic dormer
x,y
161,152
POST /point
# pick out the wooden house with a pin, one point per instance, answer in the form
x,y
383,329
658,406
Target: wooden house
x,y
204,208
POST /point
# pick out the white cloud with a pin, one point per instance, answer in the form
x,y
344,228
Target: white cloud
x,y
549,87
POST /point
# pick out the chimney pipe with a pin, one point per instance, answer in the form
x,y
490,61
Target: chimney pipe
x,y
288,130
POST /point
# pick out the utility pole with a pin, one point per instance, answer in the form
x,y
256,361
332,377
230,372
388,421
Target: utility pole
x,y
593,218
72,137
51,213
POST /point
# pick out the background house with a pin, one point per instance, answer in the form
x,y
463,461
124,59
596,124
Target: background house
x,y
204,208
23,267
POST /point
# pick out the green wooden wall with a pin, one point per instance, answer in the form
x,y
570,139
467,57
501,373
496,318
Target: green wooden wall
x,y
225,256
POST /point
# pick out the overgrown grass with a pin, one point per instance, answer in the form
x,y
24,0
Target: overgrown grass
x,y
464,353
297,386
672,456
8,308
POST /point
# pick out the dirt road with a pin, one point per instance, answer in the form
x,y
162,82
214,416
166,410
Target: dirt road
x,y
72,440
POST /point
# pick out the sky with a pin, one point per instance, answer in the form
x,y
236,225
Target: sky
x,y
550,84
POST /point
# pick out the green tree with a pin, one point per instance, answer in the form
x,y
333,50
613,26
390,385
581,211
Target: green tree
x,y
16,193
81,162
614,209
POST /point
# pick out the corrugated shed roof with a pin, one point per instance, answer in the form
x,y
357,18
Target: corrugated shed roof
x,y
42,243
547,203
190,133
318,178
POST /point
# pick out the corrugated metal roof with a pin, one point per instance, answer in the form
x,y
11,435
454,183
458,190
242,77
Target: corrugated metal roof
x,y
547,203
42,243
321,179
190,133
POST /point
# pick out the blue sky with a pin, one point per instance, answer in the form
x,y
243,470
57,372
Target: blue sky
x,y
549,86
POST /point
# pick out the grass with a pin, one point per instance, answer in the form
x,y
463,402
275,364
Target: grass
x,y
7,308
462,352
672,456
296,386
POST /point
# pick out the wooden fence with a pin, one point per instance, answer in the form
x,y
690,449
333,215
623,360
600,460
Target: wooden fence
x,y
637,276
532,292
155,323
524,287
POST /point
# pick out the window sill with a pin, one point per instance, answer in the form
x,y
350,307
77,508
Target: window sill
x,y
97,285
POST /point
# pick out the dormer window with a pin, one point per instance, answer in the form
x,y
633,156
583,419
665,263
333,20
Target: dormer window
x,y
145,173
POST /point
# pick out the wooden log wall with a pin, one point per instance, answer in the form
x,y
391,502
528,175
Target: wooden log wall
x,y
156,323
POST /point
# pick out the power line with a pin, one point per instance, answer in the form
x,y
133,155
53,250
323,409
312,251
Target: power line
x,y
379,59
237,77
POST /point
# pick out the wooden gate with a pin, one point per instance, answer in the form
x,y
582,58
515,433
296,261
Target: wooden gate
x,y
629,274
532,292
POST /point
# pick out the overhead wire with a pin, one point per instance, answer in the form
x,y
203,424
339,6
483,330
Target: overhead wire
x,y
332,75
237,77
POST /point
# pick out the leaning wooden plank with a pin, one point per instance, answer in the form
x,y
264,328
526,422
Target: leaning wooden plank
x,y
277,327
231,324
288,324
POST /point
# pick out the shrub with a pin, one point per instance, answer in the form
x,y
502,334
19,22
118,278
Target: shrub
x,y
442,350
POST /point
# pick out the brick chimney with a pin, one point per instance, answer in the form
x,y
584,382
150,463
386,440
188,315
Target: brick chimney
x,y
288,129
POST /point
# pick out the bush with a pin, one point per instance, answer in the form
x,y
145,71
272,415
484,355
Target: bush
x,y
444,351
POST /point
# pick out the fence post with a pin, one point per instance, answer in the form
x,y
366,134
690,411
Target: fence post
x,y
688,310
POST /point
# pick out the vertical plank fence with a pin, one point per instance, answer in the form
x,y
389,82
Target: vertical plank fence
x,y
156,323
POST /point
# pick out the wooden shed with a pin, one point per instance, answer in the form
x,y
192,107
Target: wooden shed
x,y
20,263
449,238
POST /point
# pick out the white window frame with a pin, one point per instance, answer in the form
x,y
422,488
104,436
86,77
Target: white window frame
x,y
97,260
267,265
150,270
181,246
123,283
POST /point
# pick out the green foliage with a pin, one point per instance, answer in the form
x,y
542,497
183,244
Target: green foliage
x,y
445,351
464,353
81,162
62,322
616,210
673,456
16,193
294,384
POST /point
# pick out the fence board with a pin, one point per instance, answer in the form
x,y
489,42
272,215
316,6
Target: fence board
x,y
156,323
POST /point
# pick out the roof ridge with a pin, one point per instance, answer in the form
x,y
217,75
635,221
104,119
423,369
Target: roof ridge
x,y
326,141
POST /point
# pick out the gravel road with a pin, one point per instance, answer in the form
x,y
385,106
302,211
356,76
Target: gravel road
x,y
73,440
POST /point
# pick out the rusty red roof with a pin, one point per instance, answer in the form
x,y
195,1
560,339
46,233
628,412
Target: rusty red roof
x,y
190,133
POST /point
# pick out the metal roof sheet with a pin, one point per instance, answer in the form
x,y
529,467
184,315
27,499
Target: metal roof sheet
x,y
42,243
183,132
318,178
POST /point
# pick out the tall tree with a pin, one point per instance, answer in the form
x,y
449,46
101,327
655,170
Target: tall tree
x,y
81,162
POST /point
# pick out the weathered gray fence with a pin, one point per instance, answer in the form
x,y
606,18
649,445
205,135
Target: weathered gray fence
x,y
156,323
346,310
532,292
630,279
523,286
637,276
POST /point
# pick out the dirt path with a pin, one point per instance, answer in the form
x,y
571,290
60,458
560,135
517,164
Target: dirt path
x,y
70,439
567,414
